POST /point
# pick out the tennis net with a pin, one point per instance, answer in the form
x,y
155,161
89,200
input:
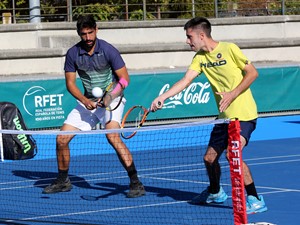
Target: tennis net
x,y
169,160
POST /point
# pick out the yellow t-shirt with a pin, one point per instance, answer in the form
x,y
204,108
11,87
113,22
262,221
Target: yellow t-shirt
x,y
223,68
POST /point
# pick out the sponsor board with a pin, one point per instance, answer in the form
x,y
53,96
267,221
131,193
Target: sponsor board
x,y
46,103
43,103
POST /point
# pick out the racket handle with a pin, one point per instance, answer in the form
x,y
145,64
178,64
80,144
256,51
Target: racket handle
x,y
158,106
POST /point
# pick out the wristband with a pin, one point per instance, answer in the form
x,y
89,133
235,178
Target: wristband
x,y
122,84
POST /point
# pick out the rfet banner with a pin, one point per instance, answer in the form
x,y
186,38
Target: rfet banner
x,y
46,103
43,103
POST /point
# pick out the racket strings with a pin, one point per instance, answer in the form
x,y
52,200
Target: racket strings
x,y
108,97
134,118
139,117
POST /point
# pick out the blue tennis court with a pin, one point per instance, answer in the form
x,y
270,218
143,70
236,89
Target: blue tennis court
x,y
172,177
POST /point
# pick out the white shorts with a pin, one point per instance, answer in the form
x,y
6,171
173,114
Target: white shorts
x,y
84,119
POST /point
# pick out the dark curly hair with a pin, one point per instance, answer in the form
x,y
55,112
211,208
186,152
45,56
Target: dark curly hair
x,y
86,21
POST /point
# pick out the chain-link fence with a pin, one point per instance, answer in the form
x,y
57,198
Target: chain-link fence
x,y
16,11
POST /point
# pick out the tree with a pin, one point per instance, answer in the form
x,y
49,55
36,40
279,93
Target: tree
x,y
99,11
53,10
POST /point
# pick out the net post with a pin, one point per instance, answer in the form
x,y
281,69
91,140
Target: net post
x,y
1,142
1,148
236,173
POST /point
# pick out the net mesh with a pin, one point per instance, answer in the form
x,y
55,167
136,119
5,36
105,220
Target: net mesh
x,y
169,160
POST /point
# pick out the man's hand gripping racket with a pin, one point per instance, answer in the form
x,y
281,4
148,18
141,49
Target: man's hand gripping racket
x,y
135,118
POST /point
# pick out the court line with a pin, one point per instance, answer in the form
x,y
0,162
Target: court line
x,y
98,211
224,184
150,174
282,161
124,208
171,167
273,157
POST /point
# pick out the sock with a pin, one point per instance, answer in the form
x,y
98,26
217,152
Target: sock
x,y
132,173
214,174
62,175
251,190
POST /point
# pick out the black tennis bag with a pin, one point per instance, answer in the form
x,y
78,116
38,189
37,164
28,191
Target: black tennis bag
x,y
15,146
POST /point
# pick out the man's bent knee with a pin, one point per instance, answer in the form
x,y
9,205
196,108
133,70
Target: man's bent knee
x,y
210,155
63,141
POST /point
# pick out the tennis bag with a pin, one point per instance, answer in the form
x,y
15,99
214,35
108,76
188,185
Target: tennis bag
x,y
15,146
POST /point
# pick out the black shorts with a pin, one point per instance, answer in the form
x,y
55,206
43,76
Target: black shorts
x,y
219,135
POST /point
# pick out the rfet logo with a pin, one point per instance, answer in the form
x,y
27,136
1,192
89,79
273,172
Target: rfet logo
x,y
36,97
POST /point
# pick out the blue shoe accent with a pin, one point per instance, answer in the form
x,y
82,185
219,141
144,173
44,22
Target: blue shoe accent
x,y
255,205
205,197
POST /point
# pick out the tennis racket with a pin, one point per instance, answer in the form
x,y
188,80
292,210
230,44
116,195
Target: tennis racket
x,y
112,97
134,118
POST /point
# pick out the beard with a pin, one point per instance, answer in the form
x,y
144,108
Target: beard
x,y
88,44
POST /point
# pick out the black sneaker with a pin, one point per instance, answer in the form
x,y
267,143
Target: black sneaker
x,y
58,186
136,190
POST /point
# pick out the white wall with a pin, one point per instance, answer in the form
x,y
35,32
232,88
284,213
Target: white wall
x,y
40,48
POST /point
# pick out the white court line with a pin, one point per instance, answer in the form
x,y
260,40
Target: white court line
x,y
98,211
167,167
80,175
112,209
276,162
126,208
156,173
274,157
150,176
224,184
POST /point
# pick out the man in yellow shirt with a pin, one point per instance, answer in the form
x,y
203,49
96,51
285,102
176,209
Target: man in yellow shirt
x,y
230,74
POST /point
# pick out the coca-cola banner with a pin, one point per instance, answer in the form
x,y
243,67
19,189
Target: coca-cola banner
x,y
46,103
195,100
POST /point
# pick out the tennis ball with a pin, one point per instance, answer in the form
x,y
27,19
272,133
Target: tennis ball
x,y
97,92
